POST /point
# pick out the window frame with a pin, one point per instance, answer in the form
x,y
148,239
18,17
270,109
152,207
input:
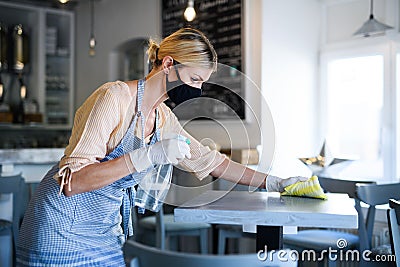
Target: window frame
x,y
391,104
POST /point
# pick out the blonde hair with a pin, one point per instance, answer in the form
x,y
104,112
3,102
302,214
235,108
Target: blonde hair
x,y
187,46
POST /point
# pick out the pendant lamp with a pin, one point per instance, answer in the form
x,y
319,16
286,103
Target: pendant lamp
x,y
190,12
92,40
372,26
1,90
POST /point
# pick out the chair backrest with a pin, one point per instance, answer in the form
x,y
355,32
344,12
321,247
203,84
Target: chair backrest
x,y
395,205
10,184
372,194
340,186
349,187
394,225
140,255
159,227
16,185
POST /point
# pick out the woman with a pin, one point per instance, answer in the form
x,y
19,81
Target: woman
x,y
122,132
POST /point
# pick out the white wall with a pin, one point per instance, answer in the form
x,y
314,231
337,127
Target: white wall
x,y
120,20
344,17
116,21
293,34
281,47
242,134
290,45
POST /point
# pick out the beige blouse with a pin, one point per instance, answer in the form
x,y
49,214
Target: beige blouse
x,y
101,122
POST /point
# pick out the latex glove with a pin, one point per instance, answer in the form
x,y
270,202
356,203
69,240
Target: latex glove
x,y
276,184
167,151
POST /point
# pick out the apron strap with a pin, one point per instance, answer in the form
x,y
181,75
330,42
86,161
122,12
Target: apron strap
x,y
126,209
140,94
139,107
157,130
128,202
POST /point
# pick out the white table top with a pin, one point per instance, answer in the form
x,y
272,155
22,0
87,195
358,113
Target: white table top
x,y
269,208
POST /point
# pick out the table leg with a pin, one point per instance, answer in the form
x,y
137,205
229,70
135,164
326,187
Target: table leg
x,y
214,234
270,236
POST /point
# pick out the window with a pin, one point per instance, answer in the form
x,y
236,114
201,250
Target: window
x,y
397,71
354,106
358,102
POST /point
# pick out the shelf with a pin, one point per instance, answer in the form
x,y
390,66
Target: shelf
x,y
60,91
33,126
50,80
58,57
51,43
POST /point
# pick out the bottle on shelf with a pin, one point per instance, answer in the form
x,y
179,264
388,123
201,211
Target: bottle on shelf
x,y
28,109
20,49
19,109
3,47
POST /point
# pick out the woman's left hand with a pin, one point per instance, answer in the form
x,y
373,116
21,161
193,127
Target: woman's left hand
x,y
276,184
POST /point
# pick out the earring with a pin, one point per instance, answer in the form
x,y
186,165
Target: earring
x,y
166,70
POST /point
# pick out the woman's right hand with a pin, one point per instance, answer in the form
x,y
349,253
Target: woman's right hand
x,y
167,151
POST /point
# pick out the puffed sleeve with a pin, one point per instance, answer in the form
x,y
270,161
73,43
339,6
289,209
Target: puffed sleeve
x,y
203,160
94,122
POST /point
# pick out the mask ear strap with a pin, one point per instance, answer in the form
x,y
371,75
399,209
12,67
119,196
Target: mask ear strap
x,y
176,69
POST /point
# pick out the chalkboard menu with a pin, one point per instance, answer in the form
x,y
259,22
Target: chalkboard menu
x,y
221,22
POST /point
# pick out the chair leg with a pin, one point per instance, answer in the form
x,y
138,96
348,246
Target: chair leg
x,y
14,252
221,242
160,240
173,242
203,241
331,263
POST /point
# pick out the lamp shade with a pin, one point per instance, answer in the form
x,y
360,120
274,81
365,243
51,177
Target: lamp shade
x,y
372,26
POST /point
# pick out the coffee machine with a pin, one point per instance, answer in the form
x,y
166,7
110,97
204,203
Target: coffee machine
x,y
18,65
5,114
14,70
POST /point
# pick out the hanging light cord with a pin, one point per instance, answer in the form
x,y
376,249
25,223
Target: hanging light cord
x,y
92,40
91,18
371,14
372,26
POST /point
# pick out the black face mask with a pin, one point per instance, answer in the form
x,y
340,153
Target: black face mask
x,y
179,92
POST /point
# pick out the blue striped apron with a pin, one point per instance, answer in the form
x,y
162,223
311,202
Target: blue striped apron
x,y
85,229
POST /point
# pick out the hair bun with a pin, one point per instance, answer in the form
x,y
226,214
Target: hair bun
x,y
152,51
